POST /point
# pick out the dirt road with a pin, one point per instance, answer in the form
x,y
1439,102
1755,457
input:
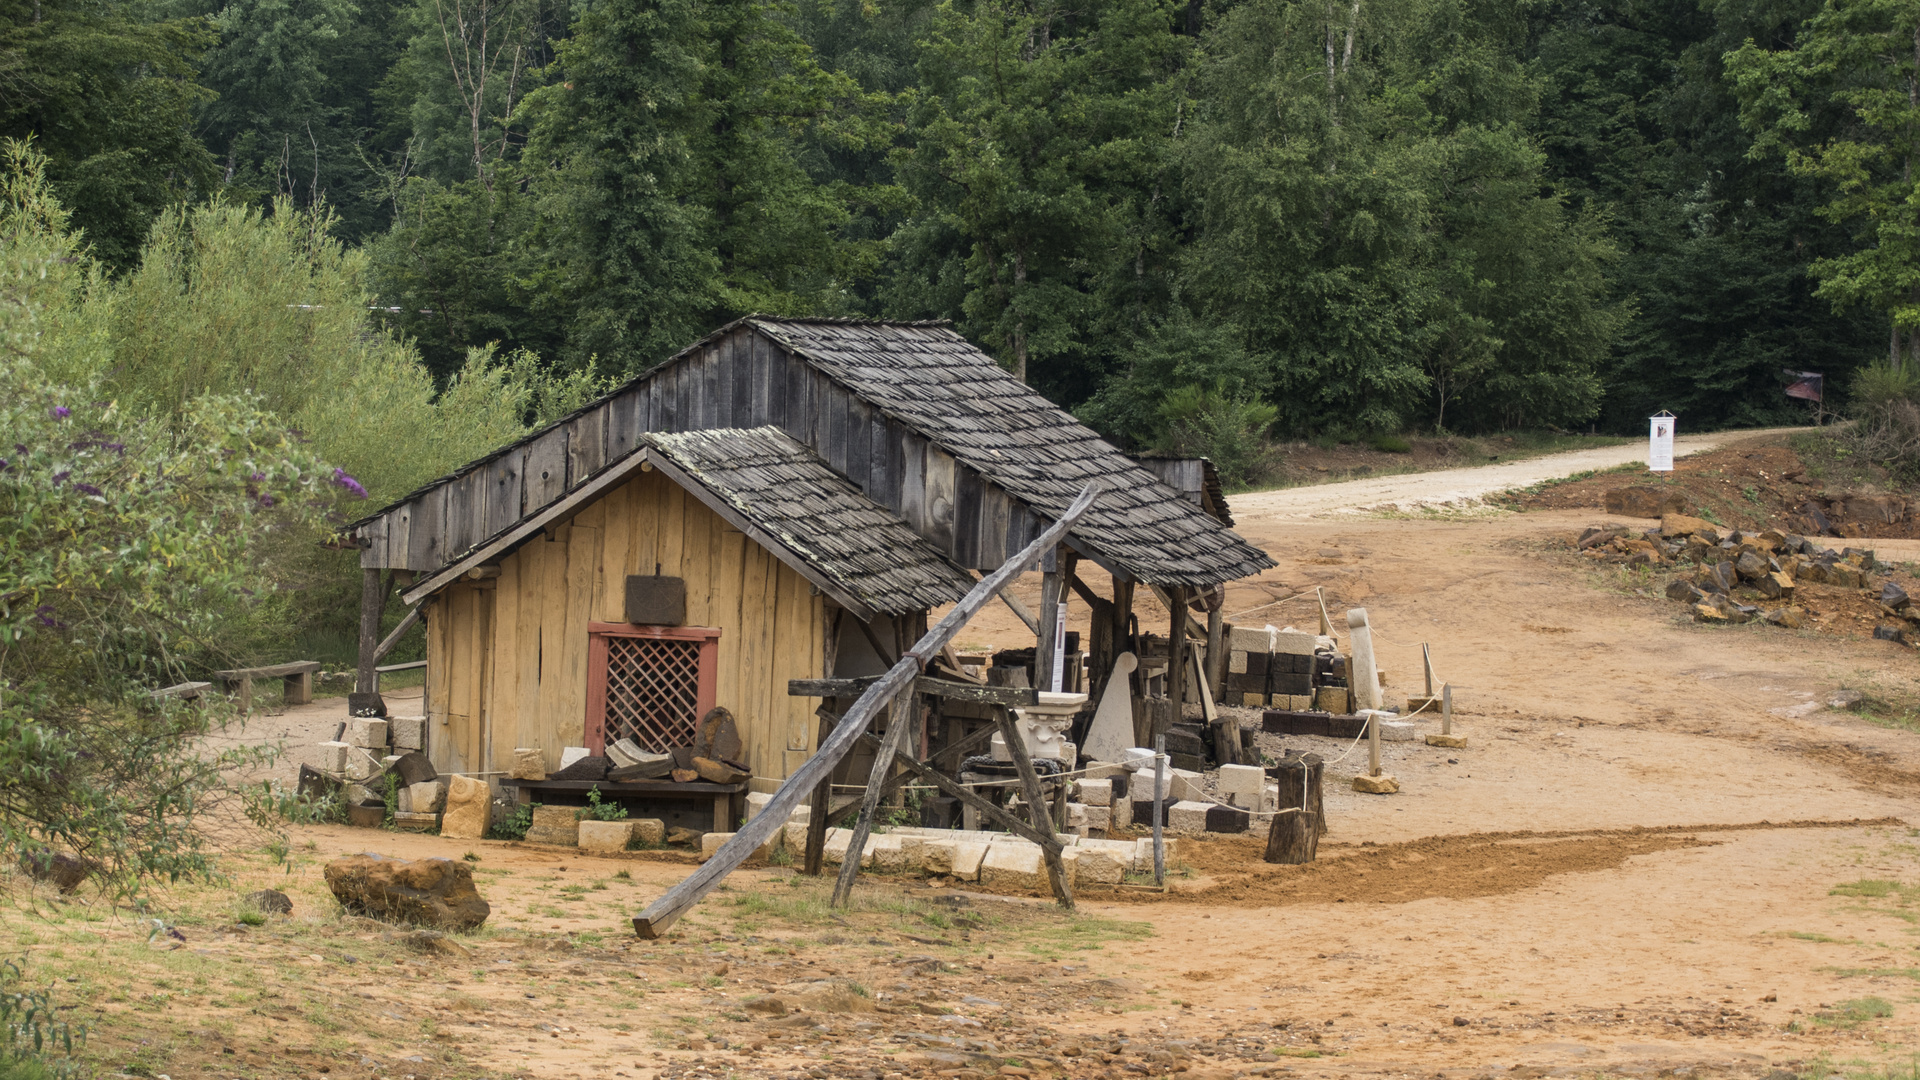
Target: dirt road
x,y
1457,487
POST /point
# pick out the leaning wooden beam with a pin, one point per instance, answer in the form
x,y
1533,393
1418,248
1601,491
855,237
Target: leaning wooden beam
x,y
1037,809
393,639
672,904
1020,610
899,719
999,814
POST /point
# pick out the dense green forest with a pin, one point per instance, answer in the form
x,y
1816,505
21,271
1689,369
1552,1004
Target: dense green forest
x,y
1202,220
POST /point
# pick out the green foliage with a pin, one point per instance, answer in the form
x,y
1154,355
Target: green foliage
x,y
515,827
1390,444
600,810
35,1044
1853,1013
1214,422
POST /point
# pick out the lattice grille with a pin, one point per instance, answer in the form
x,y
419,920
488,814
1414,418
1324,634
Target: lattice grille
x,y
652,691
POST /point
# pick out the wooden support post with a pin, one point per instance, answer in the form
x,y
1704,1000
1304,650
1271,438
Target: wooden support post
x,y
1020,610
667,909
1326,624
1122,613
1216,651
1044,656
1036,807
1292,838
820,808
1426,661
387,643
1446,709
1177,652
1299,777
372,604
899,722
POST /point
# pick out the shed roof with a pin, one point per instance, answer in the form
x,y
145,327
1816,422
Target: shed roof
x,y
788,492
938,382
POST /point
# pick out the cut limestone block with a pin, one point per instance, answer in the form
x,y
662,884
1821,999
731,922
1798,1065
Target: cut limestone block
x,y
427,798
1186,785
794,838
1076,815
1188,816
1376,785
758,800
968,857
329,757
1120,814
650,830
1228,819
555,825
1398,731
1097,866
1096,792
1013,864
1269,798
711,842
407,732
361,765
1243,785
469,808
407,822
528,764
624,752
367,731
836,846
605,835
1143,853
887,855
571,754
1105,770
1100,817
1450,741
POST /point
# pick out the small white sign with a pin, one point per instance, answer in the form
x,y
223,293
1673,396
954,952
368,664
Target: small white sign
x,y
1060,644
1660,444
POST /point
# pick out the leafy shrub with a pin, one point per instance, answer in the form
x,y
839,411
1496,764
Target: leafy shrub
x,y
515,827
35,1044
1228,429
602,811
1887,429
1390,444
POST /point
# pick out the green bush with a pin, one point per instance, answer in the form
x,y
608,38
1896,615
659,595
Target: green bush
x,y
1390,444
599,810
35,1044
515,827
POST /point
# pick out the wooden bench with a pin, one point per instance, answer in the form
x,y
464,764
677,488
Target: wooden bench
x,y
185,691
727,799
297,679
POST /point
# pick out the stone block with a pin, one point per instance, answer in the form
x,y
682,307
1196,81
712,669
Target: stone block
x,y
1143,853
605,835
836,846
1237,662
1120,814
1096,866
1185,785
367,731
469,808
437,893
649,830
1100,817
410,822
427,798
1188,816
529,763
756,802
1242,785
624,752
1333,699
329,757
555,825
361,795
1376,785
1450,741
361,765
1252,701
711,842
1096,792
1227,819
1105,770
1246,639
407,732
886,855
1013,864
1269,798
571,754
968,857
1398,731
1076,815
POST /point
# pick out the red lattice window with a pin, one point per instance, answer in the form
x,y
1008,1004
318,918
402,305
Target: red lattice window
x,y
651,684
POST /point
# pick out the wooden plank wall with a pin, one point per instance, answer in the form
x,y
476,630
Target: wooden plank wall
x,y
508,660
743,380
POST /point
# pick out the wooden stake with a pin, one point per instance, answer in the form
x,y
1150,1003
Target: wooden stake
x,y
898,721
1326,624
1036,807
667,909
1446,709
1426,660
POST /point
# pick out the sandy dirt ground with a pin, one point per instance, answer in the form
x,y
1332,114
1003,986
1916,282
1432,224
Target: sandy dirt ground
x,y
1660,854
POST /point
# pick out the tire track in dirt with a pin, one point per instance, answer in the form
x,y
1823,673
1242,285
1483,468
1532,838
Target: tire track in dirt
x,y
1451,867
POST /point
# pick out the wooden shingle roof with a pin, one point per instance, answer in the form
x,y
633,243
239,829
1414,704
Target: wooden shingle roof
x,y
939,383
789,493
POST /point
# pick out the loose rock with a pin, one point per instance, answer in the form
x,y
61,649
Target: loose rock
x,y
437,893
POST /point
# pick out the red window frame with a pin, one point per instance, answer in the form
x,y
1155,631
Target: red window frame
x,y
707,687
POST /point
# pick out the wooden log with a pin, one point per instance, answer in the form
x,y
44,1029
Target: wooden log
x,y
1045,653
1177,652
372,603
1293,838
820,806
1036,809
1216,651
898,713
1299,778
667,909
1020,611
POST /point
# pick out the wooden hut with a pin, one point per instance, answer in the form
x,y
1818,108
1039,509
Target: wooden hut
x,y
817,485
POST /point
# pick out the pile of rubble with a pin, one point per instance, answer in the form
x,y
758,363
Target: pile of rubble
x,y
372,757
1739,577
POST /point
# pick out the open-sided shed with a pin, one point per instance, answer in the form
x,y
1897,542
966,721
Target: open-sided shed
x,y
813,483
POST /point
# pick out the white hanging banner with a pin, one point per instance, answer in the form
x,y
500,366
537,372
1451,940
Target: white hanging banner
x,y
1060,643
1660,443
